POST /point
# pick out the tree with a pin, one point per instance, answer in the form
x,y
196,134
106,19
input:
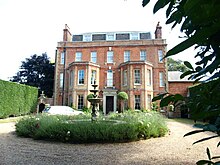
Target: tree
x,y
176,65
200,22
122,96
37,71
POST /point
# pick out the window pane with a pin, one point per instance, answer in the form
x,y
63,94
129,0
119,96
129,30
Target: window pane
x,y
109,78
81,77
161,79
62,58
78,56
110,37
137,102
126,56
148,77
71,78
143,55
87,37
149,101
70,100
93,57
80,101
93,77
134,36
125,77
137,76
61,80
160,55
110,57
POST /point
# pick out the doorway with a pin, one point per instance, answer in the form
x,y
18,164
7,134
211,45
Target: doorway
x,y
109,104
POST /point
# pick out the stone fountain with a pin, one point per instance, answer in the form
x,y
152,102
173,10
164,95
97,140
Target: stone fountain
x,y
94,101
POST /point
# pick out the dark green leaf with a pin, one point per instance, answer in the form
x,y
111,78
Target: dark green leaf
x,y
188,65
216,157
204,139
145,2
160,4
178,97
208,153
218,144
193,132
202,162
169,9
186,73
165,101
159,97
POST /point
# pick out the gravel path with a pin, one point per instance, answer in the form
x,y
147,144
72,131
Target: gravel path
x,y
172,149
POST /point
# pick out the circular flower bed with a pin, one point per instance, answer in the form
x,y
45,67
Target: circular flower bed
x,y
80,129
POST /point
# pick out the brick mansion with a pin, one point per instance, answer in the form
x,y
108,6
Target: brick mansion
x,y
130,61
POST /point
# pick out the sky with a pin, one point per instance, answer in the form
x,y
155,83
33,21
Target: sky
x,y
29,27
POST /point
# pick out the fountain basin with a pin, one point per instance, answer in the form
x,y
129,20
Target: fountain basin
x,y
95,100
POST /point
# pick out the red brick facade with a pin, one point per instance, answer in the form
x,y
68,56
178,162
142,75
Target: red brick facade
x,y
139,78
180,87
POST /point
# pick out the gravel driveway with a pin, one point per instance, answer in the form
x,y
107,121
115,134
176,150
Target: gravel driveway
x,y
172,149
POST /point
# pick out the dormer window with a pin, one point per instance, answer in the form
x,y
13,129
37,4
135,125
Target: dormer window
x,y
134,36
87,37
110,37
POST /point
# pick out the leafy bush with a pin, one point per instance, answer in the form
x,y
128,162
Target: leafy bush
x,y
129,126
16,99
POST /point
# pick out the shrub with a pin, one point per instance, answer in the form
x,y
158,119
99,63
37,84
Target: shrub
x,y
124,127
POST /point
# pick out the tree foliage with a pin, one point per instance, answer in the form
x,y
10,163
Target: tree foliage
x,y
176,65
37,71
200,22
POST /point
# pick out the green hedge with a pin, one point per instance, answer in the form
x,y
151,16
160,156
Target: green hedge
x,y
16,99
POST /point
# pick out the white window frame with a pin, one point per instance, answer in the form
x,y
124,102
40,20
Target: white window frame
x,y
87,37
161,79
62,58
160,55
80,100
93,76
94,57
127,54
81,77
134,36
137,102
109,78
143,55
110,37
78,56
125,77
61,80
110,56
137,76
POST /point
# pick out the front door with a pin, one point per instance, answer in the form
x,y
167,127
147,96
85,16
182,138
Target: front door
x,y
109,104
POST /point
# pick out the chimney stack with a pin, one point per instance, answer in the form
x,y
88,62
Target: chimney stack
x,y
158,31
67,36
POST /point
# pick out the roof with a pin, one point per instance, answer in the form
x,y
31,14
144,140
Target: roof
x,y
174,76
